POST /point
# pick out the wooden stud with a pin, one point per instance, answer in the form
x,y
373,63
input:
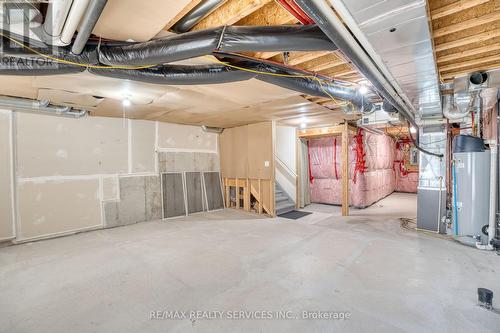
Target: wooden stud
x,y
474,22
345,170
260,196
455,7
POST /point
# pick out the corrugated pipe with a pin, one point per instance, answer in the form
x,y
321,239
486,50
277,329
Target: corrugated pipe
x,y
197,14
29,105
223,39
87,24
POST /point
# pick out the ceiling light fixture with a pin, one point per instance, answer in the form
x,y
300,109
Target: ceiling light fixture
x,y
126,102
363,89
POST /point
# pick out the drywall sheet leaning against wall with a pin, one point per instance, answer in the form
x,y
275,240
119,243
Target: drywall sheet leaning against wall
x,y
142,140
49,146
185,138
140,201
57,207
6,200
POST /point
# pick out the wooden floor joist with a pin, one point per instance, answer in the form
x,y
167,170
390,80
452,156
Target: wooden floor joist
x,y
477,21
455,7
230,12
468,53
482,37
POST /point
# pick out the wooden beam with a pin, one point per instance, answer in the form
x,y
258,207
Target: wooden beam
x,y
301,57
451,75
479,38
455,8
230,12
477,21
469,63
345,170
468,53
325,131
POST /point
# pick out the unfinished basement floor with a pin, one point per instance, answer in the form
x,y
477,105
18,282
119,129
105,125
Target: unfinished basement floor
x,y
387,278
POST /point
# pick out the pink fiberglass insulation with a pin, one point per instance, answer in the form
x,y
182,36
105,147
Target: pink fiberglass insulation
x,y
377,182
405,181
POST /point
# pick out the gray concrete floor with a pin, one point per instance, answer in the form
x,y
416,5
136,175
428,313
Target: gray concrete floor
x,y
387,278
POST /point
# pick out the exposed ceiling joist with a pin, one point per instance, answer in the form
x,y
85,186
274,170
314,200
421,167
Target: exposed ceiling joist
x,y
469,63
455,8
482,37
451,75
468,53
230,13
477,21
269,14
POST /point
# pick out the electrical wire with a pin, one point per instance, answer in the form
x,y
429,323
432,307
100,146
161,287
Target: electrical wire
x,y
69,62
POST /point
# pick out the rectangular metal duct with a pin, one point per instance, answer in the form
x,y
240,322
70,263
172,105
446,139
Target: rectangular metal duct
x,y
399,32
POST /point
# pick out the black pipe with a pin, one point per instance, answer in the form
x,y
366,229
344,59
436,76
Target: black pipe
x,y
225,39
178,74
417,144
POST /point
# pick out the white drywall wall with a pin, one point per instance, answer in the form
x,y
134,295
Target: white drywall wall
x,y
56,146
185,138
6,186
66,168
286,152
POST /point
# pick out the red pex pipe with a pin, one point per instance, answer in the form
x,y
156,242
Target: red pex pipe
x,y
296,11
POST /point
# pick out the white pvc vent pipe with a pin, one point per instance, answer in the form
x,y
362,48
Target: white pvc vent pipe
x,y
73,20
57,12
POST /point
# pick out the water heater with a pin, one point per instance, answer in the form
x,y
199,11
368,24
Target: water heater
x,y
471,191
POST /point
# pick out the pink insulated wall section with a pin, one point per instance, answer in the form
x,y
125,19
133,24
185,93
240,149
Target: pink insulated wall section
x,y
373,174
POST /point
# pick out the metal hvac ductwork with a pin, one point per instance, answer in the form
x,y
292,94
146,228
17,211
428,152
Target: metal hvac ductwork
x,y
178,74
196,14
324,17
224,39
29,105
87,24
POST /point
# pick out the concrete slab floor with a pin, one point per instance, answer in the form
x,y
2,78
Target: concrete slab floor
x,y
387,278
